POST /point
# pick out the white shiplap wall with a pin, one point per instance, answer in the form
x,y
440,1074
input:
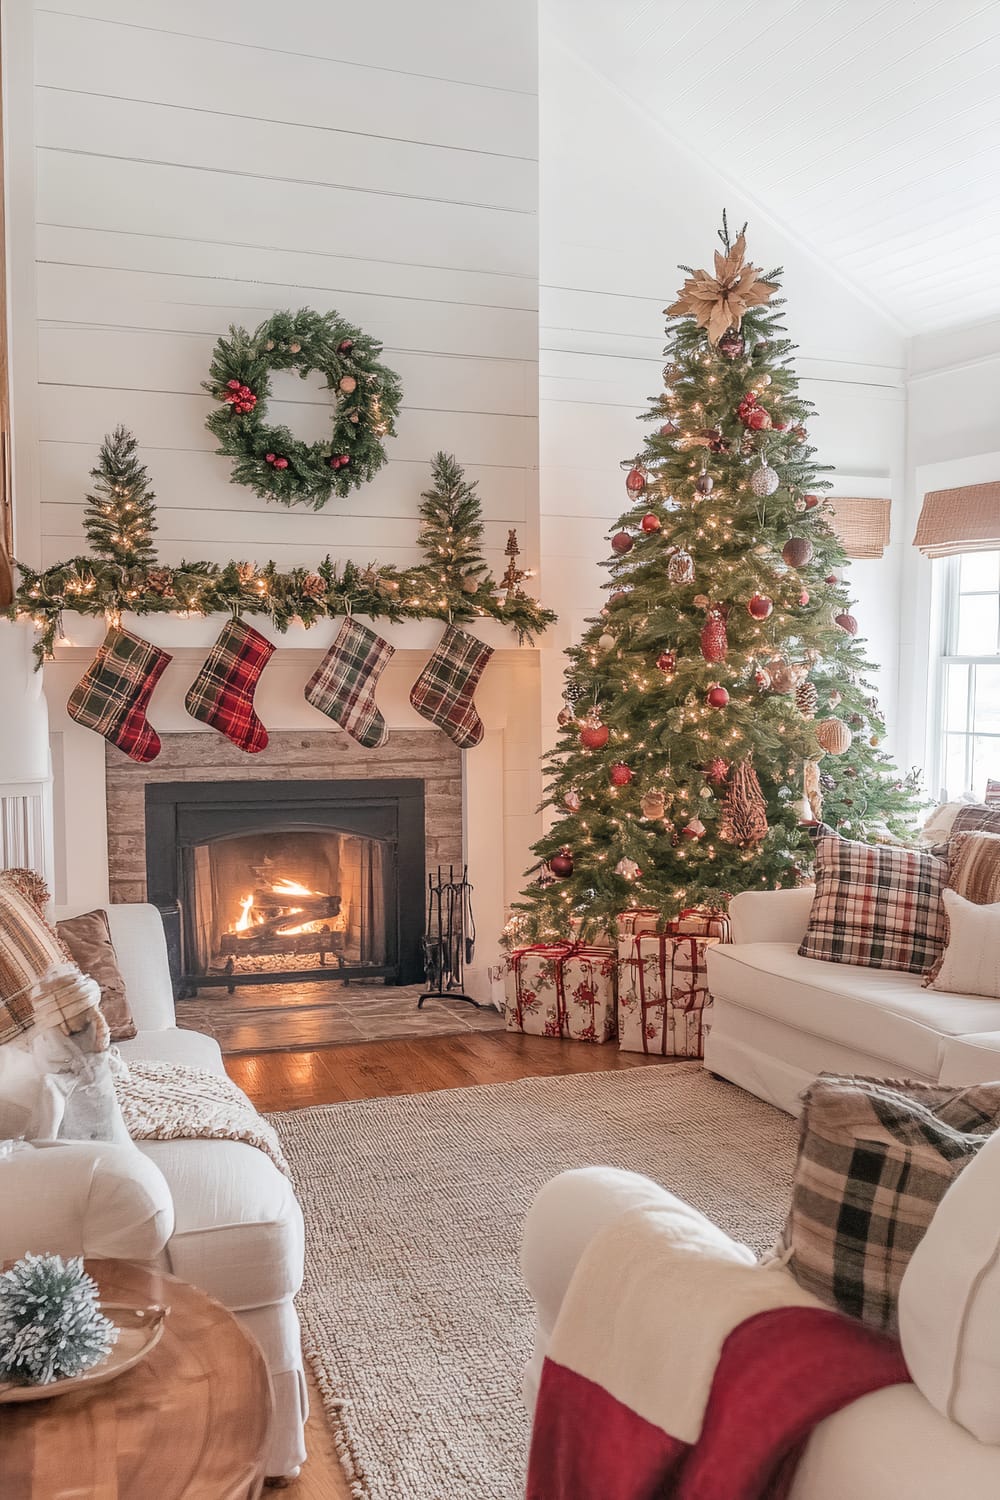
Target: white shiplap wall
x,y
206,163
621,205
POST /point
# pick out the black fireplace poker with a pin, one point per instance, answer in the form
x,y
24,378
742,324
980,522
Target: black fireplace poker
x,y
450,939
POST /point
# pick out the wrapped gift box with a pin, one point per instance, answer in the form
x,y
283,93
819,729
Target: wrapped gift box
x,y
702,921
662,995
564,990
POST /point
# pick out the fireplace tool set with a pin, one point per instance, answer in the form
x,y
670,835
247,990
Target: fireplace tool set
x,y
450,940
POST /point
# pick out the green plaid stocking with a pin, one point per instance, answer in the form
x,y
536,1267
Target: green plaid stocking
x,y
443,691
113,695
343,685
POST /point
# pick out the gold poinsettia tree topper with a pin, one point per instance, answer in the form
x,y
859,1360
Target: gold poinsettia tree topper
x,y
718,302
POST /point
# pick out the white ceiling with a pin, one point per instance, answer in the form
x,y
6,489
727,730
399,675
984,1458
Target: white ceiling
x,y
869,129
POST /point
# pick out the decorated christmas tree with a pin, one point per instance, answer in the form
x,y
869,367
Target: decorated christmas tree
x,y
120,515
721,702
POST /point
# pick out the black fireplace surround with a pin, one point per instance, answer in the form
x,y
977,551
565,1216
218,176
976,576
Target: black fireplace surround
x,y
184,817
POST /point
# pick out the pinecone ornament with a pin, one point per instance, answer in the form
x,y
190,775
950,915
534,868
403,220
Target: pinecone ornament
x,y
807,699
714,642
744,811
313,586
159,581
680,568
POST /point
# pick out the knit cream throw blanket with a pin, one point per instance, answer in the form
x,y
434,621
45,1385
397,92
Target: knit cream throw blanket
x,y
163,1101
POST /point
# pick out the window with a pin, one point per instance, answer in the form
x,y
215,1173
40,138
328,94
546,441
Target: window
x,y
969,714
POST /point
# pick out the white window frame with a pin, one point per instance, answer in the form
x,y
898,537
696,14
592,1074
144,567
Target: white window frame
x,y
945,614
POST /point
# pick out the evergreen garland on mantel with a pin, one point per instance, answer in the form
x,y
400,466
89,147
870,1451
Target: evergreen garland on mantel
x,y
122,574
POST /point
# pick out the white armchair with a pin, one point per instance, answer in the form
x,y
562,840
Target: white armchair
x,y
218,1214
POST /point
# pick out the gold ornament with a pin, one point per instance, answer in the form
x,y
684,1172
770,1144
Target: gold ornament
x,y
718,302
833,736
653,804
812,789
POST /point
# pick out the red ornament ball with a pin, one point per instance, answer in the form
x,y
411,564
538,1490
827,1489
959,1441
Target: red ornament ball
x,y
617,597
345,346
797,551
667,662
561,864
650,522
811,501
621,542
831,578
717,697
760,606
621,774
847,623
635,481
594,736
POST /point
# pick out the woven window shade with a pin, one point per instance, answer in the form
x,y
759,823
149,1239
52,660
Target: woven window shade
x,y
962,520
862,524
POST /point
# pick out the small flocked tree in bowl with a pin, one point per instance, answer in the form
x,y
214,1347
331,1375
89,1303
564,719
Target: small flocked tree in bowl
x,y
722,700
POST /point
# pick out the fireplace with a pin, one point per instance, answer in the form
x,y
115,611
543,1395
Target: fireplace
x,y
291,881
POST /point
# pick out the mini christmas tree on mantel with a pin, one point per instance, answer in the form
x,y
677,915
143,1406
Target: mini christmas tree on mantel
x,y
720,701
120,516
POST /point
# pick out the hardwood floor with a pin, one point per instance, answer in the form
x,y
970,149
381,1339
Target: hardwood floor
x,y
278,1081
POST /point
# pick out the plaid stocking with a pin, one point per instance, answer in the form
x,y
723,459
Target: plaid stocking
x,y
114,693
343,685
222,693
443,691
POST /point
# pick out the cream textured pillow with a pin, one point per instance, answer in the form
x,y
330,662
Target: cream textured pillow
x,y
949,1301
971,963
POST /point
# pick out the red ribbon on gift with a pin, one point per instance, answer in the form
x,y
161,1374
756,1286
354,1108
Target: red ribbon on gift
x,y
669,1000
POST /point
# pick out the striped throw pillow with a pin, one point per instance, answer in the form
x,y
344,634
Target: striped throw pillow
x,y
973,872
875,905
875,1159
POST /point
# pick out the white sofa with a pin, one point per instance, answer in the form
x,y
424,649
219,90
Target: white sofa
x,y
218,1214
892,1445
779,1020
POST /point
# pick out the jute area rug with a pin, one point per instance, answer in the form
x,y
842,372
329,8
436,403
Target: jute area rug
x,y
414,1315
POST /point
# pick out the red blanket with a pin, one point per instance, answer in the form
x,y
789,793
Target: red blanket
x,y
780,1373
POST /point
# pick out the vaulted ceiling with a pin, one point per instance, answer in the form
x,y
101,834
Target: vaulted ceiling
x,y
869,129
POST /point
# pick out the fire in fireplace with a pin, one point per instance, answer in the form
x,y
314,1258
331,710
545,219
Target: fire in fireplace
x,y
281,882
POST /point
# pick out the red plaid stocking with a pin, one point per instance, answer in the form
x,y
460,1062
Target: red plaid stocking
x,y
222,693
114,693
343,685
443,691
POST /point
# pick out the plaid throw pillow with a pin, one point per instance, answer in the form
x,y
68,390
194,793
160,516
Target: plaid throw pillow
x,y
875,1159
875,905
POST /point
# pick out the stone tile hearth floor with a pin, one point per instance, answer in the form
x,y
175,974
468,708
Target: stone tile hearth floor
x,y
282,1018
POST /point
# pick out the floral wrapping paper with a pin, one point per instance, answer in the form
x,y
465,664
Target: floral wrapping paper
x,y
662,995
563,990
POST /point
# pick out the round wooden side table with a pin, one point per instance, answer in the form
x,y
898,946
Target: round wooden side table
x,y
189,1422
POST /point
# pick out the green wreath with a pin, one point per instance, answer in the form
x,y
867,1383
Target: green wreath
x,y
272,461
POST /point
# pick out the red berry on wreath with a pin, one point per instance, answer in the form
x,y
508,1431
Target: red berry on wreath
x,y
233,385
717,696
621,542
281,463
621,774
651,522
269,458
